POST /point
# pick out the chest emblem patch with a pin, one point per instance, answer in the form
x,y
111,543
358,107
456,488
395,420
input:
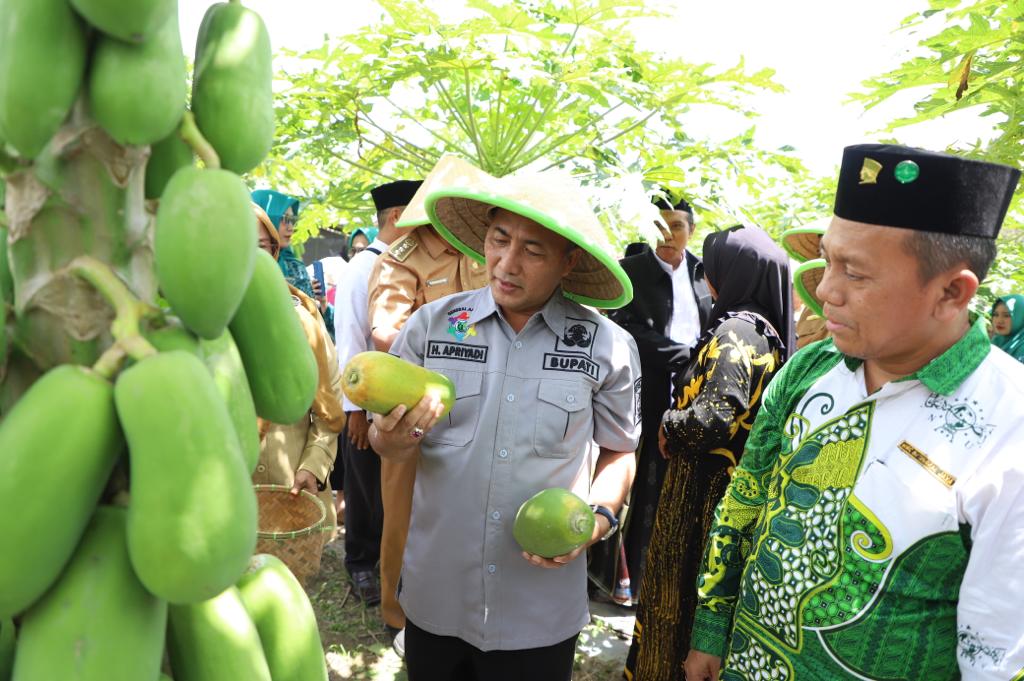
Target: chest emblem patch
x,y
459,327
961,420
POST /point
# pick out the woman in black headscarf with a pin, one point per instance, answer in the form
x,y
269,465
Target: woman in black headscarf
x,y
749,335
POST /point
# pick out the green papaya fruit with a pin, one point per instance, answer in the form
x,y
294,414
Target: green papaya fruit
x,y
278,361
137,91
215,641
232,97
42,62
284,619
192,517
224,363
225,366
7,641
173,336
166,157
58,446
205,247
553,522
378,382
133,21
97,623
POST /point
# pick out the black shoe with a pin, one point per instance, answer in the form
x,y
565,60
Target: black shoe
x,y
366,586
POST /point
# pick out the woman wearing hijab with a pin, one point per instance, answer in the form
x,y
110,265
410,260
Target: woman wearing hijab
x,y
1008,325
283,211
360,239
302,454
749,336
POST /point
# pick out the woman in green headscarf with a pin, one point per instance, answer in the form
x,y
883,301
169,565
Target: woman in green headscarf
x,y
283,210
1008,325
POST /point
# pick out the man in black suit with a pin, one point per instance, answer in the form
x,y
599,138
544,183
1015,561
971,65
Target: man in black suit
x,y
670,307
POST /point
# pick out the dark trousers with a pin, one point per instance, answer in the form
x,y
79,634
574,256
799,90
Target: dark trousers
x,y
364,514
429,657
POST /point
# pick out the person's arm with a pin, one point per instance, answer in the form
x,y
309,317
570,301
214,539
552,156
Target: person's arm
x,y
990,628
392,297
715,402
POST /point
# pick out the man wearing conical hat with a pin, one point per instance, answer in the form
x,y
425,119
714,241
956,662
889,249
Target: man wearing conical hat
x,y
418,268
547,392
874,528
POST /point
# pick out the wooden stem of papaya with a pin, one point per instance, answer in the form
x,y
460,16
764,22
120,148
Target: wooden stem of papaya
x,y
128,310
194,138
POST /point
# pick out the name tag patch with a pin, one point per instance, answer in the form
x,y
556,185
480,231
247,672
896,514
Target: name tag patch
x,y
462,351
577,363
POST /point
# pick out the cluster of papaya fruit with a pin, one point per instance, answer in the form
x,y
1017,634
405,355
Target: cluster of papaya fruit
x,y
126,504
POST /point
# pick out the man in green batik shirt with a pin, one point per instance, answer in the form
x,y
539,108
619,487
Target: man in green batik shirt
x,y
874,528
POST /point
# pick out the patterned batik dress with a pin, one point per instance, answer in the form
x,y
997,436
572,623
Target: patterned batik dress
x,y
717,399
874,536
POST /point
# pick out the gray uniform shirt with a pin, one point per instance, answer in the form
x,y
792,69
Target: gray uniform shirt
x,y
530,407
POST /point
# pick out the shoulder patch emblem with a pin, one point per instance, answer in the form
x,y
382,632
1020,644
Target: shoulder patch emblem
x,y
401,249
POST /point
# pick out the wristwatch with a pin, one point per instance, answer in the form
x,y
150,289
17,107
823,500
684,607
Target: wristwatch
x,y
613,520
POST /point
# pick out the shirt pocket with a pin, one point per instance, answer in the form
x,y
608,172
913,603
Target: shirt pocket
x,y
458,426
914,503
560,414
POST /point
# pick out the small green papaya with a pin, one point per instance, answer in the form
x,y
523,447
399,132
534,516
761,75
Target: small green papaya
x,y
7,641
278,361
192,517
215,640
166,157
224,363
133,21
232,95
97,623
58,446
137,91
173,336
205,247
284,619
42,62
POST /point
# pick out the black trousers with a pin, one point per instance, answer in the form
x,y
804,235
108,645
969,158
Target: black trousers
x,y
364,514
429,657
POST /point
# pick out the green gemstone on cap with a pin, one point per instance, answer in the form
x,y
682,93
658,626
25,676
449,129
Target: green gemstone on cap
x,y
906,172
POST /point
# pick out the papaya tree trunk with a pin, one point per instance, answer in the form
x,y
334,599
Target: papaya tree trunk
x,y
84,195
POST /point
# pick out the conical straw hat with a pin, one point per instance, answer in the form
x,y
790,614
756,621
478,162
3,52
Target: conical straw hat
x,y
450,171
806,279
804,243
460,214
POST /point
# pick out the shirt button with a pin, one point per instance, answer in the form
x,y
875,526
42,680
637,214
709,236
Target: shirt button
x,y
496,515
503,454
261,468
519,344
570,398
492,568
510,397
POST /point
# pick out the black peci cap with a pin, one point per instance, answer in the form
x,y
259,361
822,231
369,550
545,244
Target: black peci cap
x,y
664,203
392,194
896,186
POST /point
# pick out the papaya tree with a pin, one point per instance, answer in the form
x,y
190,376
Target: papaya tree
x,y
538,85
971,57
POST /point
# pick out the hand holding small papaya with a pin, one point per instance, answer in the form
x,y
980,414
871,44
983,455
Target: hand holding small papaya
x,y
397,434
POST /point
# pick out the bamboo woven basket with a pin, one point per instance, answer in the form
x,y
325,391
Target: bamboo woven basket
x,y
291,528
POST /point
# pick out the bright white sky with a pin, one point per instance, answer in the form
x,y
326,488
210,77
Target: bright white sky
x,y
821,51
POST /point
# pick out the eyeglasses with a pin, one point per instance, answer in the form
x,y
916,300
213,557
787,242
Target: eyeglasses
x,y
288,220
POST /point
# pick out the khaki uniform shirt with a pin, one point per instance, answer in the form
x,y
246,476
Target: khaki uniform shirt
x,y
419,268
311,442
528,406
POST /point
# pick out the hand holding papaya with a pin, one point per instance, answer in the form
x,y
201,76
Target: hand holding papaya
x,y
397,434
601,527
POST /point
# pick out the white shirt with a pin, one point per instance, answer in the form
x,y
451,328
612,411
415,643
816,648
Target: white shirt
x,y
351,315
684,323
